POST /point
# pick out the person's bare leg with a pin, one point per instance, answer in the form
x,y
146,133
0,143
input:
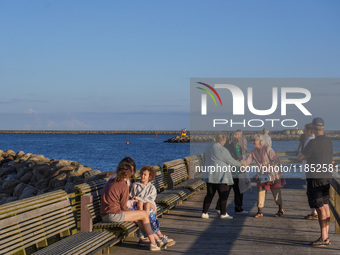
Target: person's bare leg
x,y
323,221
144,223
328,216
139,205
147,208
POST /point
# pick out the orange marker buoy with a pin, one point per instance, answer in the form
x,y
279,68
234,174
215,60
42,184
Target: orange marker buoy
x,y
127,142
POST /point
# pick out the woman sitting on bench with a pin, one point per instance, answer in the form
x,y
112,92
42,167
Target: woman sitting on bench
x,y
113,206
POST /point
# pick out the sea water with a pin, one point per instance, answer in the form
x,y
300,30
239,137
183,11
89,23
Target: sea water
x,y
103,152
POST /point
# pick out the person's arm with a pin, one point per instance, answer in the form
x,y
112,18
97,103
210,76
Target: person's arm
x,y
300,144
151,196
248,160
307,151
124,198
227,158
273,158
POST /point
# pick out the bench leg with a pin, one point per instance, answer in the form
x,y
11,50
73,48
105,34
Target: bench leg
x,y
42,244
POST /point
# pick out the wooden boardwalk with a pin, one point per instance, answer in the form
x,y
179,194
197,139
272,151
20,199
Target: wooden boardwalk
x,y
290,234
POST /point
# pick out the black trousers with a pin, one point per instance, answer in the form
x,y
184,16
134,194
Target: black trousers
x,y
223,193
238,197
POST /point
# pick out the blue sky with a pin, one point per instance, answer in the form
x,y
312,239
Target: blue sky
x,y
126,65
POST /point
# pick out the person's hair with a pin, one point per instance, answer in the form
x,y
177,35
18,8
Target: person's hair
x,y
265,131
260,138
239,130
151,172
234,135
309,126
124,170
220,137
130,161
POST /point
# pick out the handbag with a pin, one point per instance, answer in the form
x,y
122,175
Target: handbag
x,y
265,178
244,182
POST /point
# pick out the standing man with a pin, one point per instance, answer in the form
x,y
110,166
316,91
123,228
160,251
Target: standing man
x,y
267,138
218,162
243,142
309,132
319,152
236,152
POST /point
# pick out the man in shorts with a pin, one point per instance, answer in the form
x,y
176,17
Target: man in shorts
x,y
319,154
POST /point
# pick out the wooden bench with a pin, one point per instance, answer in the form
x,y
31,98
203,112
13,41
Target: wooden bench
x,y
90,194
167,198
194,164
33,223
178,177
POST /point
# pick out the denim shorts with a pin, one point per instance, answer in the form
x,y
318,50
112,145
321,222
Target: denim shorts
x,y
114,217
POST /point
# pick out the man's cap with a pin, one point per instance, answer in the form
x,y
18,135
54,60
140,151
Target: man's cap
x,y
318,122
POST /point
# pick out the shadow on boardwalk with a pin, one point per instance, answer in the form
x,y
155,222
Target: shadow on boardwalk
x,y
290,234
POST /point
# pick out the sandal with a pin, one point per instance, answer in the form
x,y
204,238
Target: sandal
x,y
279,213
258,215
311,216
321,243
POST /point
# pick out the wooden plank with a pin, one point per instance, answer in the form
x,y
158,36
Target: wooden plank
x,y
28,215
28,202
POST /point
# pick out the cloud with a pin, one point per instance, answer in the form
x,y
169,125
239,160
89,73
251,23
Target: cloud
x,y
31,111
74,123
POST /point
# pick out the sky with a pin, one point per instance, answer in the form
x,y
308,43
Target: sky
x,y
127,65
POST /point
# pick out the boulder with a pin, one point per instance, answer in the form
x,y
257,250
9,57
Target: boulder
x,y
69,187
82,169
91,173
10,199
58,181
42,184
21,170
105,175
9,186
10,153
66,168
19,189
28,192
20,154
60,163
27,177
75,163
25,157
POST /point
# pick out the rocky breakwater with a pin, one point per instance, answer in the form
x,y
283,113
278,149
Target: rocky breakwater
x,y
24,175
210,138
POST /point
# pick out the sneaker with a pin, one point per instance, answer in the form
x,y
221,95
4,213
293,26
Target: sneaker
x,y
242,212
226,216
155,247
168,241
205,216
144,242
161,243
218,211
311,216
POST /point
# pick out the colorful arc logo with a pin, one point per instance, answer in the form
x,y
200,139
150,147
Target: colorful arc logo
x,y
204,97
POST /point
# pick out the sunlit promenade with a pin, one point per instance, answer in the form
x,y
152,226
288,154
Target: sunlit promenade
x,y
290,234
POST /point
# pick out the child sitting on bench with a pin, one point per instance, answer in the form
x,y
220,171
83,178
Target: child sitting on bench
x,y
144,193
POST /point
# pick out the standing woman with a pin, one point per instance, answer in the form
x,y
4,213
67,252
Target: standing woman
x,y
218,158
266,159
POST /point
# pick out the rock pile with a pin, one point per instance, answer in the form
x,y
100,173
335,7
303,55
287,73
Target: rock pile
x,y
210,138
24,175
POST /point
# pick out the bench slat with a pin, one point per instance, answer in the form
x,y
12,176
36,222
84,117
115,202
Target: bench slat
x,y
27,215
